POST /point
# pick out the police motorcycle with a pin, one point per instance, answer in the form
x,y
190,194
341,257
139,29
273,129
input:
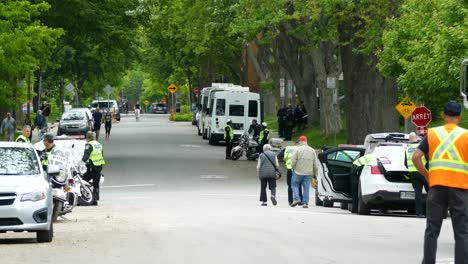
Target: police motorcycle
x,y
247,145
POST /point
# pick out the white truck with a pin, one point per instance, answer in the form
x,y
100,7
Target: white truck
x,y
235,103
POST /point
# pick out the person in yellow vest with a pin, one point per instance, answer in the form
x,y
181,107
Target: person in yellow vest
x,y
94,159
447,149
229,138
49,149
24,137
264,137
288,152
354,179
417,180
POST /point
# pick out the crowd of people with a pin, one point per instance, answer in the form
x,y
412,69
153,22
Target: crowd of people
x,y
291,119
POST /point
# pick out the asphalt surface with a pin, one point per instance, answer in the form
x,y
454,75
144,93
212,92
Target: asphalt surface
x,y
169,197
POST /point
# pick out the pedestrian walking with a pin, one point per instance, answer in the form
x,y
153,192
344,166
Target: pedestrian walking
x,y
229,138
417,180
281,116
255,128
267,169
28,122
288,152
40,123
264,137
45,108
97,117
24,137
108,123
8,128
289,121
305,166
447,150
94,158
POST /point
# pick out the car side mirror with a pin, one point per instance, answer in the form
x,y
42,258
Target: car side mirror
x,y
53,170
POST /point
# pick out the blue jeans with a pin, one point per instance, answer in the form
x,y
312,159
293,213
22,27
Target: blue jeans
x,y
299,181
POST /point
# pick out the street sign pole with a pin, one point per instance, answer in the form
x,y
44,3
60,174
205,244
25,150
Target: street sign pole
x,y
172,88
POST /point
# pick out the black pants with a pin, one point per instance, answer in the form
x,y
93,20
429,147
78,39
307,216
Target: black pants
x,y
94,173
228,149
271,182
438,200
354,181
288,132
290,192
108,128
418,181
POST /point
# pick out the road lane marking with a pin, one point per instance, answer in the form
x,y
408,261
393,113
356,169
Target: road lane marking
x,y
189,146
128,186
228,194
213,177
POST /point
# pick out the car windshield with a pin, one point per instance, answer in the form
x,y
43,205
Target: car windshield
x,y
102,105
18,161
75,115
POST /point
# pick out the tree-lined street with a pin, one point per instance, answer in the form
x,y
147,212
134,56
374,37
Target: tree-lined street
x,y
169,197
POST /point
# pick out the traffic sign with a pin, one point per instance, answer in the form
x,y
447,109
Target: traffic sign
x,y
405,108
421,116
70,88
108,89
146,102
172,88
421,131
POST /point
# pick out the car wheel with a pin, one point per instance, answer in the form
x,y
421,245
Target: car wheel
x,y
45,236
212,140
205,134
363,208
318,202
344,206
199,132
327,203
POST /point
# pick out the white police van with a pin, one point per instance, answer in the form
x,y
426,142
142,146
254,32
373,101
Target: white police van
x,y
237,104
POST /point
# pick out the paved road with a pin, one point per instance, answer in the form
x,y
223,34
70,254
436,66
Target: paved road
x,y
169,197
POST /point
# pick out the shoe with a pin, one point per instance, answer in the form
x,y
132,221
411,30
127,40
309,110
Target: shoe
x,y
294,203
305,206
264,204
273,200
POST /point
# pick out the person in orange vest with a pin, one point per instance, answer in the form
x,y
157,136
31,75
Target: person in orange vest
x,y
447,149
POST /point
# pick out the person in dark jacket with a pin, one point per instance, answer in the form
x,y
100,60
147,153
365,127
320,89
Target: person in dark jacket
x,y
266,171
289,123
281,115
255,128
108,123
45,108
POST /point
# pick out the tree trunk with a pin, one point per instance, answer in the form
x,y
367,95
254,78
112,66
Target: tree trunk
x,y
370,98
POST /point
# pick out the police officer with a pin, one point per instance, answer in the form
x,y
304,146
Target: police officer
x,y
417,180
357,169
447,147
288,153
94,158
264,137
24,137
49,149
229,138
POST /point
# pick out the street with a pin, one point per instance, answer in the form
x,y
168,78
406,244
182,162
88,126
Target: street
x,y
169,197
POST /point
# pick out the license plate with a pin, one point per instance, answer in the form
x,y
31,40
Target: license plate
x,y
407,195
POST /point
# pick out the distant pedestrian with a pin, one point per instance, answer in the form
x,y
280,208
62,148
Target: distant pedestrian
x,y
40,123
255,128
108,123
229,138
305,166
24,137
289,121
267,168
28,122
45,108
447,149
8,128
97,116
417,180
301,116
281,115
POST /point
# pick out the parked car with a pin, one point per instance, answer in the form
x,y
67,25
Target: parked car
x,y
382,183
159,108
75,122
25,192
111,105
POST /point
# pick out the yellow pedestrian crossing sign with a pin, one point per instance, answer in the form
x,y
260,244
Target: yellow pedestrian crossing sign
x,y
146,102
172,88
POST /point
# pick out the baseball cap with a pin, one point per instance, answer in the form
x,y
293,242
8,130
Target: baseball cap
x,y
302,139
452,108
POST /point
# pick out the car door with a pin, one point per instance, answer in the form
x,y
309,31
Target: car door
x,y
337,166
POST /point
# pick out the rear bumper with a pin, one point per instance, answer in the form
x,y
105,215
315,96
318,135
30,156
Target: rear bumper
x,y
391,199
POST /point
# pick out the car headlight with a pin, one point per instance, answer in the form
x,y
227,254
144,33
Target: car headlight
x,y
33,196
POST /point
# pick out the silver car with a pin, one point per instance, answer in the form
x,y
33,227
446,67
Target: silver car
x,y
25,191
75,122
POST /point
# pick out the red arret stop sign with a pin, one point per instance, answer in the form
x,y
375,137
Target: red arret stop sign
x,y
421,116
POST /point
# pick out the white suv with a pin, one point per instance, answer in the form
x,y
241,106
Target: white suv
x,y
382,182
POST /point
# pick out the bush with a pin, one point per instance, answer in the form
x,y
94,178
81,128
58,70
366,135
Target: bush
x,y
185,109
182,117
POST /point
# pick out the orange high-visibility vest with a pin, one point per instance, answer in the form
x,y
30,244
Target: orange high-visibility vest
x,y
448,156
